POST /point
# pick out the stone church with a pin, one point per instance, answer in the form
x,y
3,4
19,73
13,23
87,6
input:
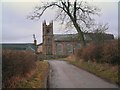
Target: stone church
x,y
62,44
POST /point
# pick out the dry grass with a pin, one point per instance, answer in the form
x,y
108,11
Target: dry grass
x,y
71,58
38,79
105,71
16,65
21,70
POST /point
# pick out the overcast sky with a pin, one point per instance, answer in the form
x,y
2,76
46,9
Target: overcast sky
x,y
17,29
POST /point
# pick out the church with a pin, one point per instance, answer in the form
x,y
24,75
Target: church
x,y
63,44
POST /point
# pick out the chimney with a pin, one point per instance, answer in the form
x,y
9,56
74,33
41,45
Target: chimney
x,y
35,41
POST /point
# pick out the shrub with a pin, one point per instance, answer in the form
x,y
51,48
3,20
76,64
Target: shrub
x,y
15,66
92,52
78,54
87,52
97,53
103,53
110,52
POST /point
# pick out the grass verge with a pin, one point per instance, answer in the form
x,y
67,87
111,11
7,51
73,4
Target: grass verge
x,y
37,80
59,59
104,71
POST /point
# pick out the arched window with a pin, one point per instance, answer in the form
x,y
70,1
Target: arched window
x,y
59,48
69,48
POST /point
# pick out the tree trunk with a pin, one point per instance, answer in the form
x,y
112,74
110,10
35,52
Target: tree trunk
x,y
80,33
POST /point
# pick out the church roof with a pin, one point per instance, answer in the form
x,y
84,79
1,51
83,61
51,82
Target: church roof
x,y
87,36
65,37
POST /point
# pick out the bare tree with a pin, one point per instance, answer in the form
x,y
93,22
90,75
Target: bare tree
x,y
99,31
75,13
101,28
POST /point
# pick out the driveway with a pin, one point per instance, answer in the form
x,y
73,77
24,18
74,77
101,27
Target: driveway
x,y
65,75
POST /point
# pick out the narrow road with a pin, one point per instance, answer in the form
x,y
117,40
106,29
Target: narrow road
x,y
64,75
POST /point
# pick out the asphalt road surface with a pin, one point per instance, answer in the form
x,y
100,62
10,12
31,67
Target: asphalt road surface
x,y
65,75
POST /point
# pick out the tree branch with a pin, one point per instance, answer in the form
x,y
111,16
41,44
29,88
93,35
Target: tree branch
x,y
74,13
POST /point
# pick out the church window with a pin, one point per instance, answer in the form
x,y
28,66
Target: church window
x,y
69,48
59,48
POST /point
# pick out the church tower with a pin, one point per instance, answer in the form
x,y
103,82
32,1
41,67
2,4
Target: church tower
x,y
47,38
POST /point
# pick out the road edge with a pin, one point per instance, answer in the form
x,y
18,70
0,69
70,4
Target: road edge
x,y
107,80
46,84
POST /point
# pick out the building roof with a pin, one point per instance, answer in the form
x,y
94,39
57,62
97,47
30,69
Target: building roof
x,y
19,46
87,36
65,37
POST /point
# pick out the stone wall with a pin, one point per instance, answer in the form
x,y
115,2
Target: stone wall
x,y
65,48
